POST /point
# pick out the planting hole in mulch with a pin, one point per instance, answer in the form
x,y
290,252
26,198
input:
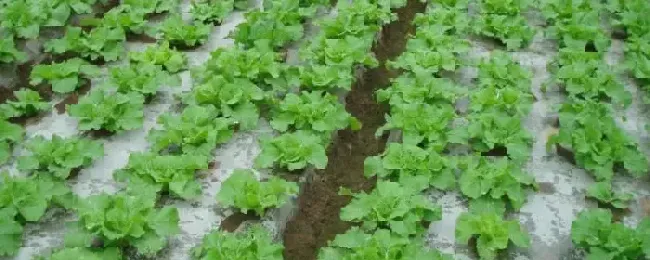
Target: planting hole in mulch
x,y
317,218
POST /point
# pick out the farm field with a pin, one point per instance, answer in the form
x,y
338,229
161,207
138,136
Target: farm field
x,y
317,129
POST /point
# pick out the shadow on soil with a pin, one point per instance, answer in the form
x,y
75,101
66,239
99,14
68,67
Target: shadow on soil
x,y
317,218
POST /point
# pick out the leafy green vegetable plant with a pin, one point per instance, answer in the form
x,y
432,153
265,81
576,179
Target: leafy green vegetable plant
x,y
255,64
26,200
637,58
59,156
254,243
100,43
197,131
169,58
8,51
23,18
345,52
121,18
431,51
174,174
414,88
586,76
211,11
113,112
491,231
144,79
275,26
27,103
181,34
318,111
401,162
66,76
10,134
492,130
499,179
512,101
589,131
242,190
603,239
512,31
379,245
292,151
579,31
150,6
454,20
602,191
421,123
501,71
124,219
400,208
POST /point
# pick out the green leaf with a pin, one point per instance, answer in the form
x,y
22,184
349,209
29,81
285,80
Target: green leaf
x,y
178,33
11,232
164,222
162,55
59,155
317,111
66,76
27,103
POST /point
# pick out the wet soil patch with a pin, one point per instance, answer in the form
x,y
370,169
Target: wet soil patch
x,y
317,218
232,222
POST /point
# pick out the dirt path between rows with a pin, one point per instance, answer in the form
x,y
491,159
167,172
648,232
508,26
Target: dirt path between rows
x,y
317,218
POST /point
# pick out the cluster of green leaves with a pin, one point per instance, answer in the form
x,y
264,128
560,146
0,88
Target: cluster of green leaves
x,y
380,245
392,205
602,191
162,55
575,24
630,16
484,222
585,76
275,25
589,130
242,190
431,50
595,231
232,80
59,156
292,151
114,112
409,163
181,34
421,123
415,88
197,131
344,41
211,11
150,6
453,18
100,43
144,79
64,77
121,17
494,130
8,51
317,111
173,174
26,200
24,18
10,134
123,220
27,103
253,243
503,20
497,179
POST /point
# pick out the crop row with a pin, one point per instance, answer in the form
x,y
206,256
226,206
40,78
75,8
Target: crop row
x,y
225,98
588,132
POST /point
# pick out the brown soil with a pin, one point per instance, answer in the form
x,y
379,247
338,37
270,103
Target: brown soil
x,y
317,218
232,222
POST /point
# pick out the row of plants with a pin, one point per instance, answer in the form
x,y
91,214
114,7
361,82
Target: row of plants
x,y
422,110
110,224
630,20
588,132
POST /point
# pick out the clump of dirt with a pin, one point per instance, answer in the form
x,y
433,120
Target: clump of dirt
x,y
317,218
